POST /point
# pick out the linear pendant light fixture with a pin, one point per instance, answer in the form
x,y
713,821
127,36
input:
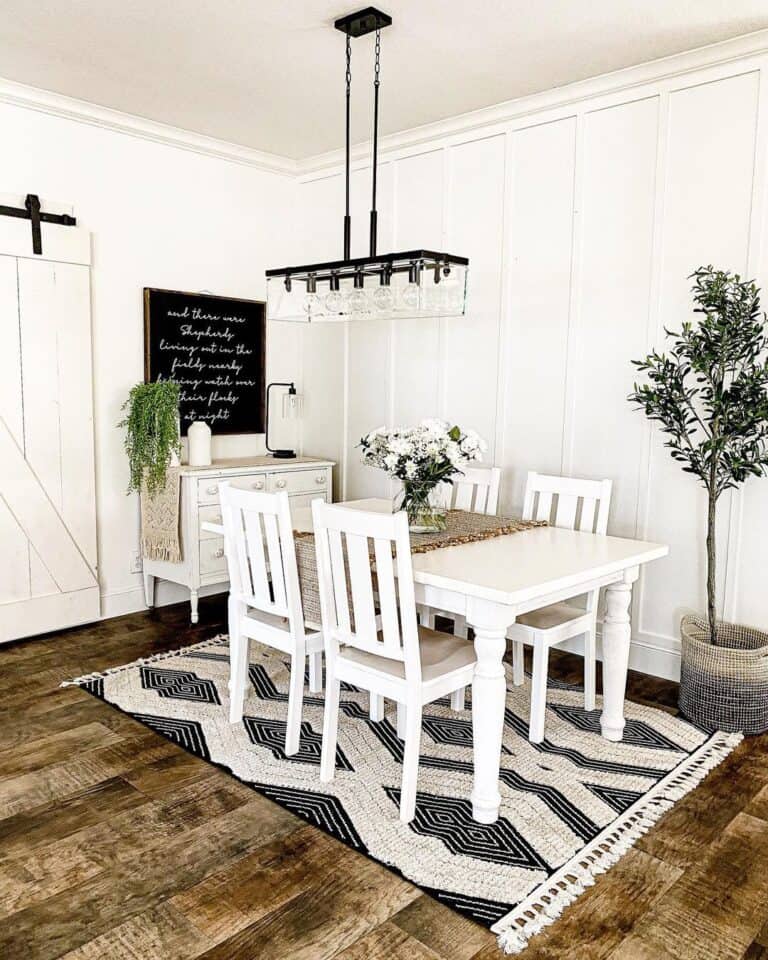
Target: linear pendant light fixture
x,y
412,283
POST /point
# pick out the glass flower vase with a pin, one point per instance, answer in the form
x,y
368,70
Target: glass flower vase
x,y
424,505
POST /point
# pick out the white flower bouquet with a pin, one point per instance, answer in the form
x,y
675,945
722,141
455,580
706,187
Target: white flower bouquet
x,y
422,458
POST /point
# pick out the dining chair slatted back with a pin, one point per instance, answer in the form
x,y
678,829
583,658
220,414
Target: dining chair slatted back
x,y
375,614
568,502
258,543
475,490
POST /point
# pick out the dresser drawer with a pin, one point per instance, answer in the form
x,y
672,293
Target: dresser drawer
x,y
212,559
298,481
208,514
208,490
305,499
253,481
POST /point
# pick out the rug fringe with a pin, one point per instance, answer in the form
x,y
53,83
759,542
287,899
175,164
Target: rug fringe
x,y
218,640
546,904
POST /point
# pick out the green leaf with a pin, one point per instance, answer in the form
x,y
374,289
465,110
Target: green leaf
x,y
152,432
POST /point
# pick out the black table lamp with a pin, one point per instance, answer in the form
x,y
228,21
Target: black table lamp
x,y
291,411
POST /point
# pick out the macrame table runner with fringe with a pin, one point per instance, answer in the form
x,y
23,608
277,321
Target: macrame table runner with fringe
x,y
160,538
461,527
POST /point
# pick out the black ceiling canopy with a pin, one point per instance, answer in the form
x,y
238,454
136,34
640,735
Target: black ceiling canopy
x,y
362,22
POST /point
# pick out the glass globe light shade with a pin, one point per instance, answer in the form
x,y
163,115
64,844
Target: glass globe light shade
x,y
409,297
357,302
333,302
383,299
312,305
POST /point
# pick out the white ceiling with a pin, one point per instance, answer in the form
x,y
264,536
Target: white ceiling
x,y
269,74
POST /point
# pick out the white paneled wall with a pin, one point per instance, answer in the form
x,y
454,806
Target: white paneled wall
x,y
474,224
582,221
538,265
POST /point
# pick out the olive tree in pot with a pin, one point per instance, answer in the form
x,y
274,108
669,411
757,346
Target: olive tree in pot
x,y
152,440
710,396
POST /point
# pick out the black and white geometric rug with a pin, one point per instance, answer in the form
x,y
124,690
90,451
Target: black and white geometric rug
x,y
571,806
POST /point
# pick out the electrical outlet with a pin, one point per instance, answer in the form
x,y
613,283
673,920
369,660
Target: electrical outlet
x,y
135,565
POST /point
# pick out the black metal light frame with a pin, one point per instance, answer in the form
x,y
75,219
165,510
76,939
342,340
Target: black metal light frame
x,y
414,262
382,265
278,454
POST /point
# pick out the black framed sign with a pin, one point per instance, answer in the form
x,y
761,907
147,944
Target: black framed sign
x,y
214,348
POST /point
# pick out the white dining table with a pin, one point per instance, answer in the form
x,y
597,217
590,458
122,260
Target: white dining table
x,y
492,582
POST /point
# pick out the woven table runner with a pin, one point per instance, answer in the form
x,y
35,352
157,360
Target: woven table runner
x,y
461,527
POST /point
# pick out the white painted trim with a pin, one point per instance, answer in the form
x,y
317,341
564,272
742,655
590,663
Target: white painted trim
x,y
537,106
118,603
115,121
654,654
344,466
654,335
755,248
505,309
572,343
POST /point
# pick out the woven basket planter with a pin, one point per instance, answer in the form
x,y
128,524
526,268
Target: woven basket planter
x,y
724,686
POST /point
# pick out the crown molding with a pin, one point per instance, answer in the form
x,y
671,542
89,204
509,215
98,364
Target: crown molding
x,y
492,119
566,98
81,111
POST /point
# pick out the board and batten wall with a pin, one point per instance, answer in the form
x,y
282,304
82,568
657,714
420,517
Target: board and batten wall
x,y
582,212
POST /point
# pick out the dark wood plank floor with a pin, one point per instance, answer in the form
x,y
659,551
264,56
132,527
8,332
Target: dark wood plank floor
x,y
116,844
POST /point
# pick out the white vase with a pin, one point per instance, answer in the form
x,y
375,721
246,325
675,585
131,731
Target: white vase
x,y
199,439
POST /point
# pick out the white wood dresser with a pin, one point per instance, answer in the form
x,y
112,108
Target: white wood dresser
x,y
204,564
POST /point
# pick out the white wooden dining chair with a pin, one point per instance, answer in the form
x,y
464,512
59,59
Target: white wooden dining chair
x,y
575,505
392,658
265,599
476,491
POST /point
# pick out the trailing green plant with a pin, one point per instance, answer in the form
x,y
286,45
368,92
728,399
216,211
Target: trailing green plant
x,y
151,433
710,395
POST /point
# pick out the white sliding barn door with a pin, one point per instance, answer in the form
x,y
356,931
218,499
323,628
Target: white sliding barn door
x,y
48,575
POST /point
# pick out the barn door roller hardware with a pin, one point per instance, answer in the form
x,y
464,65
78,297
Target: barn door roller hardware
x,y
31,211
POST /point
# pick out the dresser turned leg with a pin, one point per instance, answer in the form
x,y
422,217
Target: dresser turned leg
x,y
149,589
193,605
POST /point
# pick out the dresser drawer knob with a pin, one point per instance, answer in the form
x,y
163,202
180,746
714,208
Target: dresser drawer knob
x,y
258,485
280,484
211,491
219,553
320,478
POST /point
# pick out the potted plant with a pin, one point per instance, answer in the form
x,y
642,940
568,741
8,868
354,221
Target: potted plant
x,y
422,458
710,396
152,439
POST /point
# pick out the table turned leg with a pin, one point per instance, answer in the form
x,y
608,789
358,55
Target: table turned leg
x,y
617,634
489,691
